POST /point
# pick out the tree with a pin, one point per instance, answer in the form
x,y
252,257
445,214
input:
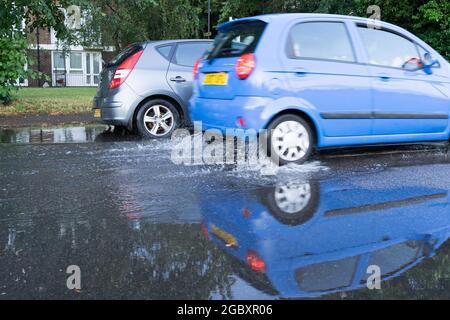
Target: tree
x,y
122,22
432,22
17,18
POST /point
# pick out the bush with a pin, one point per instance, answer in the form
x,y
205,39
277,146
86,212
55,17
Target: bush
x,y
13,57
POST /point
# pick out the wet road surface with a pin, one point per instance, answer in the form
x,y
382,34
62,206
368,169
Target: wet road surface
x,y
141,227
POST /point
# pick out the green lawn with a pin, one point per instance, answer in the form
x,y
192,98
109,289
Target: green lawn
x,y
50,101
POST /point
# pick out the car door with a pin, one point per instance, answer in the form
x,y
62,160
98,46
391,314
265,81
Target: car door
x,y
323,70
179,74
406,99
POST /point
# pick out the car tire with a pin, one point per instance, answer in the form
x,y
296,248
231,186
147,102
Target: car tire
x,y
291,134
157,119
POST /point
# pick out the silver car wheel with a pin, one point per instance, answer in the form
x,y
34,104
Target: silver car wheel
x,y
290,141
158,120
293,198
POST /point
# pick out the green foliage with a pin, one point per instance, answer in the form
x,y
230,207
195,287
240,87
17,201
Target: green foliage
x,y
16,19
122,22
12,60
432,23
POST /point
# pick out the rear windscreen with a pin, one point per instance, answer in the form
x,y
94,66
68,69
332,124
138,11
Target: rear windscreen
x,y
122,56
237,39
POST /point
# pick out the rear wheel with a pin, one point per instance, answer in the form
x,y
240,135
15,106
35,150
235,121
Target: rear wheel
x,y
291,139
157,119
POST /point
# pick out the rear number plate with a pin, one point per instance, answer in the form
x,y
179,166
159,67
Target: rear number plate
x,y
97,113
216,79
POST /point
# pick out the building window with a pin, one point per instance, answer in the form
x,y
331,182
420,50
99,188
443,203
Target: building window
x,y
76,61
58,60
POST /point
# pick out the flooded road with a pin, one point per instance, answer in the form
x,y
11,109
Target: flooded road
x,y
141,227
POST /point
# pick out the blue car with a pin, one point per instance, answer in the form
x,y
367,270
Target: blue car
x,y
319,81
310,239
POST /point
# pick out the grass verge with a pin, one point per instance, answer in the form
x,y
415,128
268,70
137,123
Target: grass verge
x,y
52,101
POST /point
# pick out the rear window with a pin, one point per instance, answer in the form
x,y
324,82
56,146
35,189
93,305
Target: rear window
x,y
122,56
326,276
237,39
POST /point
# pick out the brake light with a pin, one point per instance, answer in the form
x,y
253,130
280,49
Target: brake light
x,y
240,122
245,65
197,66
255,262
124,69
204,229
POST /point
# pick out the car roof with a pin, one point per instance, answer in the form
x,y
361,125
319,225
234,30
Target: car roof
x,y
291,16
159,42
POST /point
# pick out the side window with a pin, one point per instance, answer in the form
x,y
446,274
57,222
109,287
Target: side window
x,y
320,40
388,49
165,51
188,53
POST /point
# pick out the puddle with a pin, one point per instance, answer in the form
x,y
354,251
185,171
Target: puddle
x,y
77,134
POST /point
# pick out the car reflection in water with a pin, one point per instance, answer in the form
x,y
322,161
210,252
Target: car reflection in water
x,y
313,238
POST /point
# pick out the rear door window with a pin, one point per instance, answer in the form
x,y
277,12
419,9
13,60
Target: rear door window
x,y
188,53
320,40
237,39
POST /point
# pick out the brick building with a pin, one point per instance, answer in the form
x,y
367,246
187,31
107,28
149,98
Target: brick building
x,y
74,67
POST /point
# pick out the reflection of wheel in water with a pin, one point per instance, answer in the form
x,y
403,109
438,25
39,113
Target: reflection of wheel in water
x,y
292,198
293,204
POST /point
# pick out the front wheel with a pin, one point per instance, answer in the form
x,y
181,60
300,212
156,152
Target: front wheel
x,y
291,140
157,119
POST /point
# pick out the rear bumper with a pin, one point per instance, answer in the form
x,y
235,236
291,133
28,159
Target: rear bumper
x,y
116,108
224,114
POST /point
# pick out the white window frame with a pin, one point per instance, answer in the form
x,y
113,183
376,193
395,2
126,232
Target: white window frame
x,y
83,69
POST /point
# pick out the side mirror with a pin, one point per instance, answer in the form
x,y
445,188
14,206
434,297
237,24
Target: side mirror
x,y
428,63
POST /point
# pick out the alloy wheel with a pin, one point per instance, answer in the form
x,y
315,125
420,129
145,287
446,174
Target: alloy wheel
x,y
158,120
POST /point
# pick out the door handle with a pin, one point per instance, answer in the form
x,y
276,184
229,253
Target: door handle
x,y
178,79
384,77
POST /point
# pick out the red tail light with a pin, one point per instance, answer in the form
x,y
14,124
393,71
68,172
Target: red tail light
x,y
245,65
204,229
247,212
255,262
124,69
197,66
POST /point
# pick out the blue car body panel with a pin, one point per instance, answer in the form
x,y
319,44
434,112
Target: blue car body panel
x,y
349,103
350,229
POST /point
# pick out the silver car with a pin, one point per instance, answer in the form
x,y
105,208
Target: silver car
x,y
147,87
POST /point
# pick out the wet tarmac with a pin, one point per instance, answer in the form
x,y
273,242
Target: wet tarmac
x,y
141,227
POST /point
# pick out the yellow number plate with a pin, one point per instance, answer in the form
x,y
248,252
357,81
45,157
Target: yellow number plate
x,y
216,79
229,240
97,113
